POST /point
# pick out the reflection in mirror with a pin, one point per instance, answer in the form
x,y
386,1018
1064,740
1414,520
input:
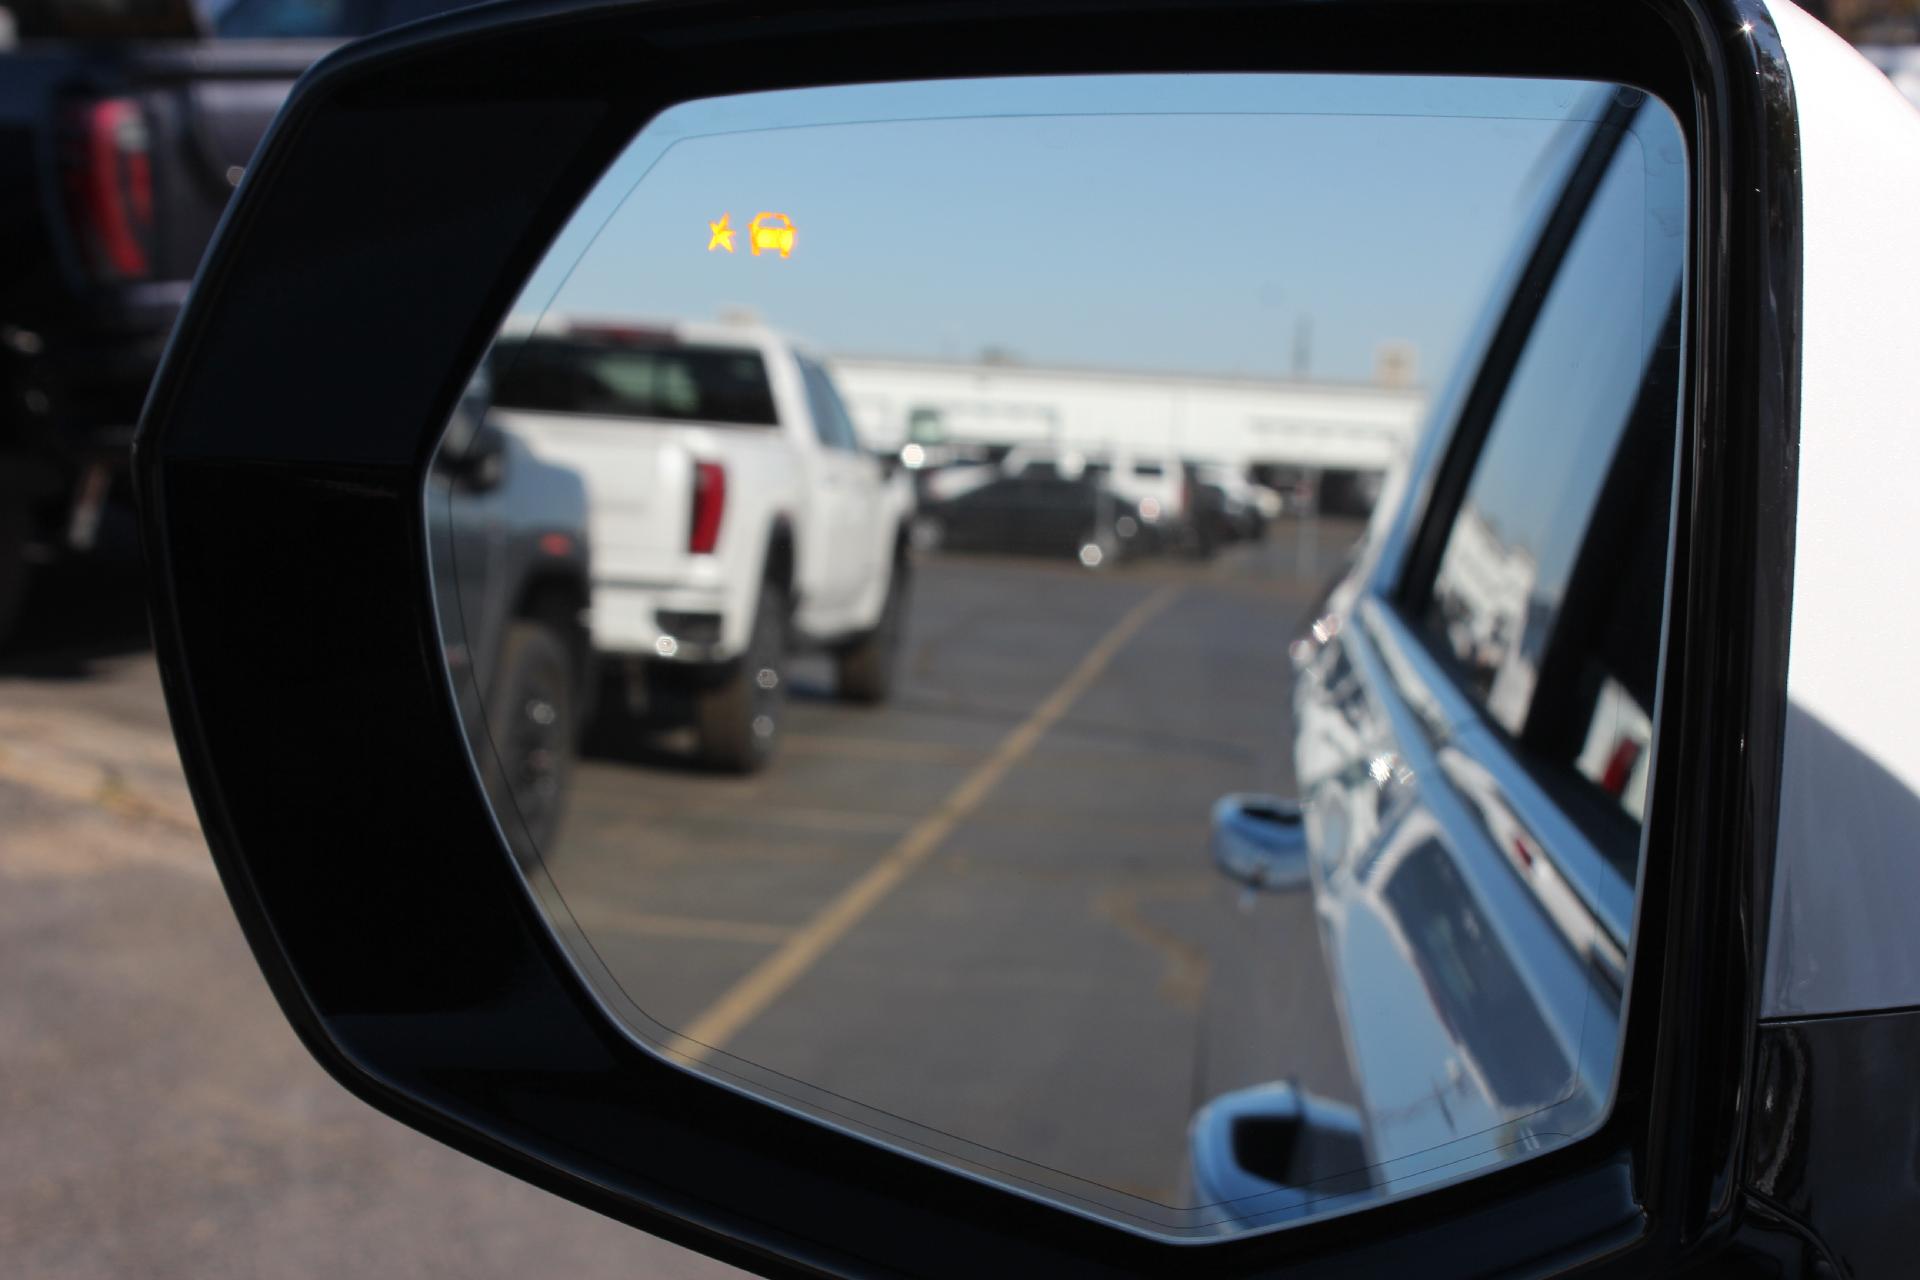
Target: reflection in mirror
x,y
906,571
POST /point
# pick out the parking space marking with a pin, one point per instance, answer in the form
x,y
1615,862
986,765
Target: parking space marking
x,y
767,981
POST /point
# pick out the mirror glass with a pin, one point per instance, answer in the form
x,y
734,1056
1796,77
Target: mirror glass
x,y
1102,632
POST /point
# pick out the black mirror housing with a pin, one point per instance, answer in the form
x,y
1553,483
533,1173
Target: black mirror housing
x,y
408,188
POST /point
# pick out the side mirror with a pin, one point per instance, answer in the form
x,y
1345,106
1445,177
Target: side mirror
x,y
924,997
1259,841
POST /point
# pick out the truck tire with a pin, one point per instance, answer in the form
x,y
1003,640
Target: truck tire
x,y
863,670
531,716
738,720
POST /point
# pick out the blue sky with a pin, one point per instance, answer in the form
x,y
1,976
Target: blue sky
x,y
1171,223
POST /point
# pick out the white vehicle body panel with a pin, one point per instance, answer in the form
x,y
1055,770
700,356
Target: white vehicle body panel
x,y
839,509
1847,869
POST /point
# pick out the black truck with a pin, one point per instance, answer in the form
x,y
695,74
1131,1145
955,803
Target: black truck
x,y
124,127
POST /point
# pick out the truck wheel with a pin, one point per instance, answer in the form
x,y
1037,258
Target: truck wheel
x,y
738,720
864,669
530,717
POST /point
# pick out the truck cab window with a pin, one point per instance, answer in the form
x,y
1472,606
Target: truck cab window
x,y
628,377
830,419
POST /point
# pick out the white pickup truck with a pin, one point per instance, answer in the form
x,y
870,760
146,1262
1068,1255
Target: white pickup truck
x,y
734,516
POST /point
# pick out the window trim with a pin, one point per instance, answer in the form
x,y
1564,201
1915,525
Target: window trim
x,y
1420,679
1408,593
1660,1185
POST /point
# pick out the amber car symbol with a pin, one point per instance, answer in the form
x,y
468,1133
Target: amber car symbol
x,y
771,231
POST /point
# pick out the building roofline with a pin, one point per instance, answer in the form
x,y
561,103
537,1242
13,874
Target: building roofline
x,y
1108,373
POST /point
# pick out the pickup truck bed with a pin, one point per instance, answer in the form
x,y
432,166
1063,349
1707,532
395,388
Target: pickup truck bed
x,y
732,509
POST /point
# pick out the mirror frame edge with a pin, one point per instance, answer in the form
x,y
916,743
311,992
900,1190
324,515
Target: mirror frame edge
x,y
1682,1184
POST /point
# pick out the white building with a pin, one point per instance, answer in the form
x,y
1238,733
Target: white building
x,y
1241,422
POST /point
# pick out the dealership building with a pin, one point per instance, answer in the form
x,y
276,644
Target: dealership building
x,y
1271,427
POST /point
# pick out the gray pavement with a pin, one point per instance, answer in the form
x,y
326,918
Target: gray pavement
x,y
1057,977
157,1116
1063,979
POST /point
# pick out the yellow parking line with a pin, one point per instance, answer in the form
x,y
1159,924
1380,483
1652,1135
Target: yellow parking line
x,y
93,783
766,981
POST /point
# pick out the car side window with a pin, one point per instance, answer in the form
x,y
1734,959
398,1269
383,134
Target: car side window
x,y
831,422
1547,600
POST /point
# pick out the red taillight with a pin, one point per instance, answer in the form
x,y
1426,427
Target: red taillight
x,y
110,187
709,504
1619,770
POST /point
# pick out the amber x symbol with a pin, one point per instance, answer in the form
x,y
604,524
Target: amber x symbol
x,y
722,237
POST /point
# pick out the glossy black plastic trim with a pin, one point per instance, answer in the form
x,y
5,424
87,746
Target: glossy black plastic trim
x,y
409,186
1835,1129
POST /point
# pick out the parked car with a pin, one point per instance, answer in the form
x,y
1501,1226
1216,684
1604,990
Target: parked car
x,y
124,128
1155,484
512,530
1237,503
1051,506
1214,518
735,516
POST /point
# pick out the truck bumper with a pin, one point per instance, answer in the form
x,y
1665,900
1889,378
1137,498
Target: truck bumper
x,y
683,626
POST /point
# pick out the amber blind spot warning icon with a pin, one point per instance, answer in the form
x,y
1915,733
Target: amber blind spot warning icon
x,y
769,232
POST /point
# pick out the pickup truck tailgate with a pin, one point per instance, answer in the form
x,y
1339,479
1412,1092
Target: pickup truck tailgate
x,y
119,160
639,477
208,105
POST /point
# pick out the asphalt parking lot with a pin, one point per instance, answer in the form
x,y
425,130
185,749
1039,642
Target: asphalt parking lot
x,y
158,1119
986,907
1053,970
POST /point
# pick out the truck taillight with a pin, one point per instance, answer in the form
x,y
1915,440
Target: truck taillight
x,y
709,504
109,176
